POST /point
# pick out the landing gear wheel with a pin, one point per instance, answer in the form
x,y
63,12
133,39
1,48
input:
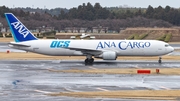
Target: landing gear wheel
x,y
89,61
160,61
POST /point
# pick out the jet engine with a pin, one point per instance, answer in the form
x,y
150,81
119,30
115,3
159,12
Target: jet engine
x,y
107,56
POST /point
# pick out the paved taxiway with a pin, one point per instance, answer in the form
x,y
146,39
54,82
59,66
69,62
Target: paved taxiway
x,y
24,80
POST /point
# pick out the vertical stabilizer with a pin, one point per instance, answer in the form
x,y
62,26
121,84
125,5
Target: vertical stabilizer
x,y
19,31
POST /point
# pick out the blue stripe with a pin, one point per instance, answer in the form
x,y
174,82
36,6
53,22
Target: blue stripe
x,y
16,40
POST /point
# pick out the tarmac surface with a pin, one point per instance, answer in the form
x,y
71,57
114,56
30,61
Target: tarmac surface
x,y
31,80
25,80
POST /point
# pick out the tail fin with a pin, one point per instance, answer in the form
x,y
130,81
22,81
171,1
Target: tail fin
x,y
19,31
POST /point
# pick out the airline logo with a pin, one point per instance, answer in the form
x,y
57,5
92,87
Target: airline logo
x,y
20,28
123,45
59,44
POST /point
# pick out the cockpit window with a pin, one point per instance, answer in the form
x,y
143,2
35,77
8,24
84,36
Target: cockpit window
x,y
166,45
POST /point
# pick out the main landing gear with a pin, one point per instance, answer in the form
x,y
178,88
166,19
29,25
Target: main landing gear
x,y
160,61
89,60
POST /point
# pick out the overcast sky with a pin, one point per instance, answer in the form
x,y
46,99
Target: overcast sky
x,y
75,3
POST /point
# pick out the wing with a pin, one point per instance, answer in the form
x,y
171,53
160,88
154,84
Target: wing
x,y
86,50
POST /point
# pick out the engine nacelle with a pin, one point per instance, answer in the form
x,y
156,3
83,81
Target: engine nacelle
x,y
107,56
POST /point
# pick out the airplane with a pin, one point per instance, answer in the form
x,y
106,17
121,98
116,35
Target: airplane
x,y
104,49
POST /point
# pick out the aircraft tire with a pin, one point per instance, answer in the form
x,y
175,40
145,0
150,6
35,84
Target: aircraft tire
x,y
89,61
159,61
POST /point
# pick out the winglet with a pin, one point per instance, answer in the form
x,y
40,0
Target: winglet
x,y
19,31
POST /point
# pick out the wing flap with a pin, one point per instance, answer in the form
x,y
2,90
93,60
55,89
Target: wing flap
x,y
87,50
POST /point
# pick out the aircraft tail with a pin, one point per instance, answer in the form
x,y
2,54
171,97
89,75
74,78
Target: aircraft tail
x,y
19,31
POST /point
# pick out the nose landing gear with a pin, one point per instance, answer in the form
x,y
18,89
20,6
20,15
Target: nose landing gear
x,y
160,61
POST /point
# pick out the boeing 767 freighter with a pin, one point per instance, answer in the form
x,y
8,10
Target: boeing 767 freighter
x,y
104,49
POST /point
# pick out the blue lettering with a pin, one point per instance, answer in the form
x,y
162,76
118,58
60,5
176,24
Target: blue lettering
x,y
120,46
135,44
129,45
141,44
66,44
147,44
99,45
113,44
59,44
53,44
123,45
106,44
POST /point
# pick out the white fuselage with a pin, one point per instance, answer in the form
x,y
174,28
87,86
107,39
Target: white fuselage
x,y
75,47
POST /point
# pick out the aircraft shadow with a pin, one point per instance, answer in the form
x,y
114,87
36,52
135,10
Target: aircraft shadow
x,y
118,62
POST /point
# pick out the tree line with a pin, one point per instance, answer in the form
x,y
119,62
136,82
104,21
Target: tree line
x,y
88,15
90,12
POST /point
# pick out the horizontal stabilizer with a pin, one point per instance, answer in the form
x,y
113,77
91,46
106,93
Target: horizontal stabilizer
x,y
20,45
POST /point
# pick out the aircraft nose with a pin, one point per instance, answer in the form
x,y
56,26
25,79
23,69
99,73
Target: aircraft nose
x,y
171,49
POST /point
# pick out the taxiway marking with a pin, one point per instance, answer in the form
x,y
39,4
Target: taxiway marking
x,y
102,89
40,91
165,88
93,68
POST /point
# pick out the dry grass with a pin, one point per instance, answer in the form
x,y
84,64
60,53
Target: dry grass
x,y
34,56
162,71
174,42
6,39
132,94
